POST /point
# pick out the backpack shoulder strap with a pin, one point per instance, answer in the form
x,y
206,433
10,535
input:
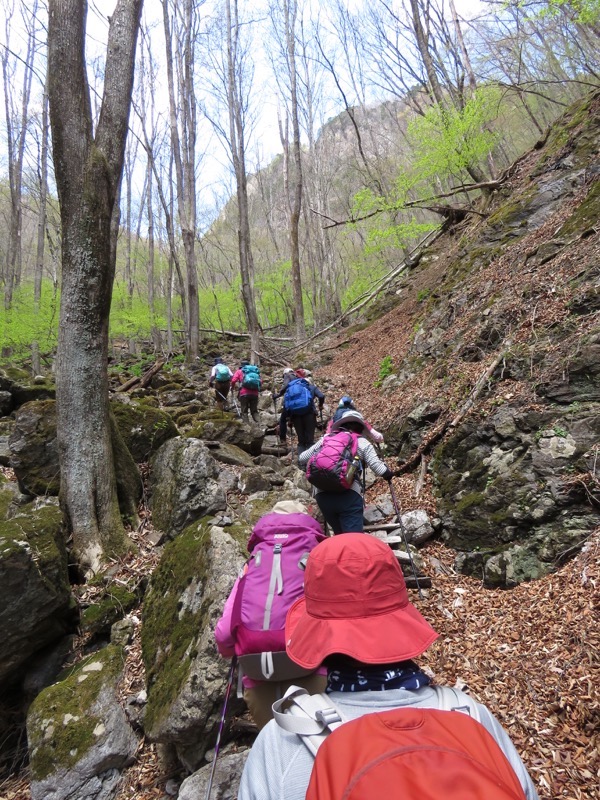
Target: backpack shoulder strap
x,y
450,699
312,716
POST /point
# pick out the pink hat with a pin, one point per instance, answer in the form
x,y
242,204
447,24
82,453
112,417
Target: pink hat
x,y
355,602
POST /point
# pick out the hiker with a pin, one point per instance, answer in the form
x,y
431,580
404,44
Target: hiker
x,y
288,375
248,376
299,408
240,630
335,466
220,379
346,404
367,639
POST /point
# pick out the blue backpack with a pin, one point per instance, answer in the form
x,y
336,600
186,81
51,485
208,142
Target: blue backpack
x,y
222,373
251,377
298,396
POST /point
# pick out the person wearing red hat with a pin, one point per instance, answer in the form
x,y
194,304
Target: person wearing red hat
x,y
356,619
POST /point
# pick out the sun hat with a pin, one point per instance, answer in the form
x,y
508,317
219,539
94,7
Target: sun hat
x,y
349,416
289,507
355,602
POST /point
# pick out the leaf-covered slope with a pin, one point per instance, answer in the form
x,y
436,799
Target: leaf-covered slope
x,y
494,340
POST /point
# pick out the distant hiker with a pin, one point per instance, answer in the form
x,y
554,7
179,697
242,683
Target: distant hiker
x,y
300,372
335,466
346,404
220,378
299,408
248,377
253,619
394,734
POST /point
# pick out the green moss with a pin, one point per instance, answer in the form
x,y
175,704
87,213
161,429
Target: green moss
x,y
61,724
42,530
115,603
468,501
585,215
169,632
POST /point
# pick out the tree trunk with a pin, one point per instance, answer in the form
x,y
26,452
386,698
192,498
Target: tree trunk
x,y
88,170
290,10
41,228
238,153
184,149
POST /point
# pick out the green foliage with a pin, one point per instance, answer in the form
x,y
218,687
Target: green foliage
x,y
385,368
586,12
23,324
131,318
447,141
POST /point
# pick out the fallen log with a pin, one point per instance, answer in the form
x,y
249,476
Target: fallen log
x,y
143,380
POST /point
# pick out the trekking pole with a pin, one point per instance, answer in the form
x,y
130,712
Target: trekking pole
x,y
224,399
403,532
235,404
221,725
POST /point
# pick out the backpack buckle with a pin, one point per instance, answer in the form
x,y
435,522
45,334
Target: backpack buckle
x,y
328,716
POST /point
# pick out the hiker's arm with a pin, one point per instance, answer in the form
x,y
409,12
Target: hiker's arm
x,y
303,457
493,726
223,635
367,453
319,395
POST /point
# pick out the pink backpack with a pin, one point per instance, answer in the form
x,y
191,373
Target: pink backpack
x,y
272,580
335,466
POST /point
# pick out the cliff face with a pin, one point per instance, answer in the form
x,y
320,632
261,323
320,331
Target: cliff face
x,y
494,338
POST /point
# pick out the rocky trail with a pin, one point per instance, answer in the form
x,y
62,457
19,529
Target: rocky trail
x,y
481,365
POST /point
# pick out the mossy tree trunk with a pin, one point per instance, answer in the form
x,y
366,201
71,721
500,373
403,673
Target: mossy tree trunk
x,y
88,166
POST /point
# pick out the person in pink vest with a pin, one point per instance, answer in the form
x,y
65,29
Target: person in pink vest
x,y
289,532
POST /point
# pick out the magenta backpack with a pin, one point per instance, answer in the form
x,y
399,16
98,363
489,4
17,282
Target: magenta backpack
x,y
336,465
272,580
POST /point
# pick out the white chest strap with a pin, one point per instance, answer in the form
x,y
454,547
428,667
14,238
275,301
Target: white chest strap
x,y
311,716
314,716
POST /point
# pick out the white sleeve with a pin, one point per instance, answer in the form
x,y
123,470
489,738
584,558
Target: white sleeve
x,y
303,457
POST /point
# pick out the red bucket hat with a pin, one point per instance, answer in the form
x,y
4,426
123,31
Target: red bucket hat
x,y
355,602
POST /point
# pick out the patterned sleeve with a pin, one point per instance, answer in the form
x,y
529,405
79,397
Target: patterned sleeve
x,y
367,453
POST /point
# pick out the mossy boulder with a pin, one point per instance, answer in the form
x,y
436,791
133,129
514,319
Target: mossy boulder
x,y
186,677
78,734
34,449
506,492
144,427
227,428
109,606
35,598
187,484
22,388
227,453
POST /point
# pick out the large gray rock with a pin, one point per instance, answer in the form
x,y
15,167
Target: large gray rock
x,y
227,428
79,737
507,495
187,484
226,780
144,428
186,677
35,597
417,526
34,450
